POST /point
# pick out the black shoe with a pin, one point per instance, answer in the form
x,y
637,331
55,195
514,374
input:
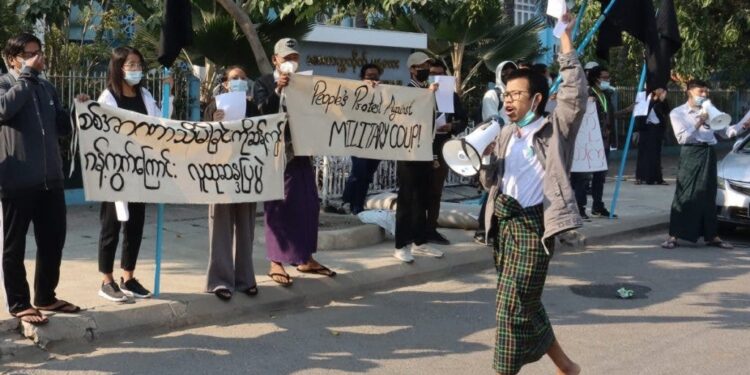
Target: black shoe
x,y
132,288
437,238
600,212
582,212
479,237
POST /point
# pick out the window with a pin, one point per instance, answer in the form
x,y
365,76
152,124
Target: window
x,y
525,10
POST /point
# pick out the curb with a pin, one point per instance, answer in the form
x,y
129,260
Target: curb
x,y
181,310
350,238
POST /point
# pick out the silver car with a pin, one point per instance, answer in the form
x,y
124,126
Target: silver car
x,y
733,198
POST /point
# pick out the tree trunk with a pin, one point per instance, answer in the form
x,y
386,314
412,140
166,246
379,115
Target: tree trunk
x,y
458,60
251,34
360,20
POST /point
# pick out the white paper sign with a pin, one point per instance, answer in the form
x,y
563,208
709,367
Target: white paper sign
x,y
641,104
234,105
440,121
126,156
559,29
341,117
444,94
556,8
588,155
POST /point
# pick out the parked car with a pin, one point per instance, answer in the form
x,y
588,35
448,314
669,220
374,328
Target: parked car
x,y
733,198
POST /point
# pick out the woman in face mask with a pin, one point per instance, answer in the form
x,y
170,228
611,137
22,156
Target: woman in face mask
x,y
231,227
125,90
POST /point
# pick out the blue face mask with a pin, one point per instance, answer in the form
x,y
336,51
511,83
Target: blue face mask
x,y
238,85
699,100
133,77
529,117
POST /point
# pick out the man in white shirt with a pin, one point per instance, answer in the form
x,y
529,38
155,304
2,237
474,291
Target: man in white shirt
x,y
531,201
694,205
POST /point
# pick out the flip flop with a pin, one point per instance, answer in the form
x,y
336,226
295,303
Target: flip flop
x,y
64,307
252,291
32,312
322,270
669,244
720,245
286,283
223,294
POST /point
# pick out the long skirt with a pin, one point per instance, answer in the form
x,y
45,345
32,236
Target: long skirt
x,y
291,224
648,164
524,333
693,212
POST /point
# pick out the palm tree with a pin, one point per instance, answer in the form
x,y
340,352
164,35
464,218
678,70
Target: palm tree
x,y
471,38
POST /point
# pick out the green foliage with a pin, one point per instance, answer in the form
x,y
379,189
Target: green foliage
x,y
10,25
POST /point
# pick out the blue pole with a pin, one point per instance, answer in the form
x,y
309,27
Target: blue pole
x,y
160,207
641,83
579,18
585,42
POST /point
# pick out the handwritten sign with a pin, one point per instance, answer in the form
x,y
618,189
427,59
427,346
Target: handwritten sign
x,y
340,117
588,155
126,156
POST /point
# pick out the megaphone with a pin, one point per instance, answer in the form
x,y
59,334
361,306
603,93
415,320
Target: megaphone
x,y
464,156
717,120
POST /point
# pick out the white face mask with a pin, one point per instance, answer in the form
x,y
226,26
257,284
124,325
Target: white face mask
x,y
133,77
288,67
605,85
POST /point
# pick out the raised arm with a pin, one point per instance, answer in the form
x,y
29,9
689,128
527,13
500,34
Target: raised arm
x,y
571,98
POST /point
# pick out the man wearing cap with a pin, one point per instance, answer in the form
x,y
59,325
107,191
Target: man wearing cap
x,y
414,184
291,224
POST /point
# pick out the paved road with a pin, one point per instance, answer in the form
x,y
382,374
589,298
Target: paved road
x,y
692,316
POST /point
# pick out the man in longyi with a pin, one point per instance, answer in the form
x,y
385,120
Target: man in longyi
x,y
530,201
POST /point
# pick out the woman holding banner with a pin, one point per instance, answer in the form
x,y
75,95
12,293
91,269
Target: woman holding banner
x,y
125,90
291,224
231,227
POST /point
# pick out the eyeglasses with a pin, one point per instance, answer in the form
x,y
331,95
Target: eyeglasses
x,y
27,55
514,95
133,65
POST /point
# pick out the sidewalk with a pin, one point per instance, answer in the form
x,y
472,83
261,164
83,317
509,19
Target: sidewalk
x,y
361,268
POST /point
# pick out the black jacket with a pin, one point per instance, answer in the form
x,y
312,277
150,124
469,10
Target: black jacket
x,y
32,120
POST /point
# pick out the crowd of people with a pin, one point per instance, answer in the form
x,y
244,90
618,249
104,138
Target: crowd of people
x,y
531,195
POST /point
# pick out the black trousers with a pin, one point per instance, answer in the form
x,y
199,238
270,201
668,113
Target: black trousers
x,y
109,236
46,209
648,164
579,181
411,210
355,190
437,181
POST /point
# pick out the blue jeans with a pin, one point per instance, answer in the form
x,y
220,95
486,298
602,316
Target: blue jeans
x,y
355,190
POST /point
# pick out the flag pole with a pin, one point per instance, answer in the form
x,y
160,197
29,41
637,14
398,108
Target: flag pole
x,y
579,18
618,182
160,207
585,42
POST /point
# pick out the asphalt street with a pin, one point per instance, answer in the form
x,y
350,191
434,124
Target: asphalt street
x,y
690,315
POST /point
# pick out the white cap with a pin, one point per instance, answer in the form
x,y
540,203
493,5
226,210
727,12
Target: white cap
x,y
417,58
590,65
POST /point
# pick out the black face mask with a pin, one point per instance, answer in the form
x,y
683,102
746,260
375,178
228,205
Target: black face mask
x,y
422,74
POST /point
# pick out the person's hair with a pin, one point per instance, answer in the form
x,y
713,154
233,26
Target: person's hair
x,y
227,70
539,68
592,75
523,64
537,85
15,45
367,67
438,64
115,75
693,83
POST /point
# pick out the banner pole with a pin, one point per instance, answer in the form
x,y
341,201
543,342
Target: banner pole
x,y
160,207
585,42
579,18
618,182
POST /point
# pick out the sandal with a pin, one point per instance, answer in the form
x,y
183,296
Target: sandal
x,y
224,294
61,306
28,316
720,244
285,281
252,291
322,270
670,244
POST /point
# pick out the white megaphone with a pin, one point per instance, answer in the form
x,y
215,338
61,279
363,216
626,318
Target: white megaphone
x,y
464,156
717,120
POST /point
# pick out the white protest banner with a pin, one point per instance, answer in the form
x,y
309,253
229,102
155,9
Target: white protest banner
x,y
588,155
341,117
126,156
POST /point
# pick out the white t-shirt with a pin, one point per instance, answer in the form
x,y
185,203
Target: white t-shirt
x,y
523,175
